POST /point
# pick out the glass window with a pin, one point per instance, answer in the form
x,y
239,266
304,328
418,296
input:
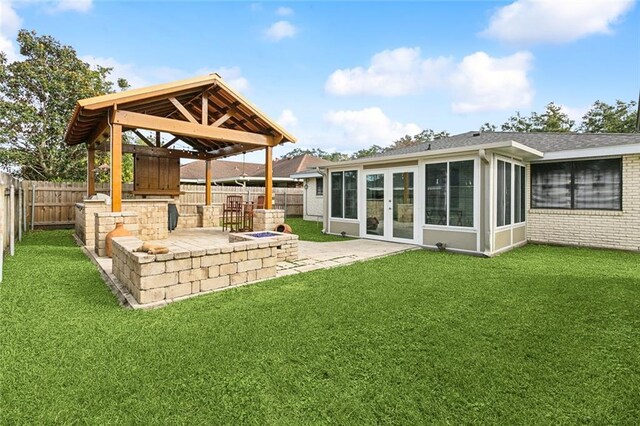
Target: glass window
x,y
505,199
436,196
351,195
319,186
449,193
344,194
579,185
500,194
519,197
461,193
336,194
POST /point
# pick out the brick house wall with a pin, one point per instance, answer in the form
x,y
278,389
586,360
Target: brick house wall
x,y
592,228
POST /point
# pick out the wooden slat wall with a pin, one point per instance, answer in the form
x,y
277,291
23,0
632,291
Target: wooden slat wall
x,y
55,201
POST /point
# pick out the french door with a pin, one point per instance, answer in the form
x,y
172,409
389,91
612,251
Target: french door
x,y
390,205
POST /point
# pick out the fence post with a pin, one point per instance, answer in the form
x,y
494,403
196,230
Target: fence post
x,y
12,220
20,213
25,197
33,204
2,226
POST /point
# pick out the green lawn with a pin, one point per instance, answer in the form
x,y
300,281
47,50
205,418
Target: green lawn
x,y
311,231
537,335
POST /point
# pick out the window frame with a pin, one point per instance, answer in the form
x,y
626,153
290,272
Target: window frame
x,y
343,193
476,194
572,185
514,223
320,186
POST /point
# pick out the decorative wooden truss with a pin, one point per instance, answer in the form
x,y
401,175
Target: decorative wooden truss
x,y
207,115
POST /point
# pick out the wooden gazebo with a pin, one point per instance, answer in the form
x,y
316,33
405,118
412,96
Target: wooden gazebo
x,y
212,119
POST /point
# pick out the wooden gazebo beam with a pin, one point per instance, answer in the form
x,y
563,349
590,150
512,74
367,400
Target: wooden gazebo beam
x,y
184,128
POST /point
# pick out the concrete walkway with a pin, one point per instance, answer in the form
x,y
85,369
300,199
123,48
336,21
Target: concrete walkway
x,y
312,255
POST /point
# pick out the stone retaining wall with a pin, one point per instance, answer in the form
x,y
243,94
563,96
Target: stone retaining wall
x,y
164,277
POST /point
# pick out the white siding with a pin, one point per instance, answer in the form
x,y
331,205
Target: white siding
x,y
313,204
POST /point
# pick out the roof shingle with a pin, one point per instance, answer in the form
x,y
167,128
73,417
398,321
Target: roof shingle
x,y
545,142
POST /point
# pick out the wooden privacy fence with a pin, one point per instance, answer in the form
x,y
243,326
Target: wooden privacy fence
x,y
52,204
11,215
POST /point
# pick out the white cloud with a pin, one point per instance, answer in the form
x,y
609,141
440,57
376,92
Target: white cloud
x,y
281,30
483,83
575,113
369,126
284,11
478,82
233,77
72,5
145,76
554,21
10,23
131,72
287,118
395,72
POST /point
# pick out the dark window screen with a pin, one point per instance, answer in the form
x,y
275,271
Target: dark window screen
x,y
580,185
597,185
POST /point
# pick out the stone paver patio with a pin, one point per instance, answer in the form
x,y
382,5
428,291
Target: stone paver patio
x,y
311,255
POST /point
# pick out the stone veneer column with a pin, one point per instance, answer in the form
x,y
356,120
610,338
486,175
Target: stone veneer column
x,y
209,216
267,220
85,220
105,222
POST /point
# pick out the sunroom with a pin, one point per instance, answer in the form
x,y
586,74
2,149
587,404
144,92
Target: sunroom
x,y
468,199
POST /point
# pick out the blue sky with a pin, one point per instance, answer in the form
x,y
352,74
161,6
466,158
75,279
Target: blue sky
x,y
345,75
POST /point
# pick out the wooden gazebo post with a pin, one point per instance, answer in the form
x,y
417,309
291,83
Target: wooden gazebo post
x,y
116,168
91,175
268,177
207,177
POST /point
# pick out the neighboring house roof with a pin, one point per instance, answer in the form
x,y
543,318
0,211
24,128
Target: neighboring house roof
x,y
544,142
220,169
233,170
298,164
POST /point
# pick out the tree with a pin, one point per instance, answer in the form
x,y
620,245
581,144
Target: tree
x,y
368,152
316,152
37,97
488,127
605,118
553,119
426,135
